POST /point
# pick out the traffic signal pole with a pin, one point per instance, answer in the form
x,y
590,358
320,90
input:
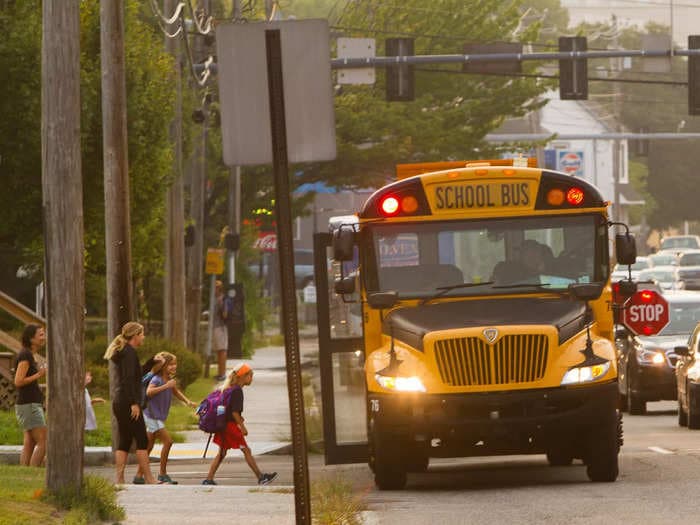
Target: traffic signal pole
x,y
343,63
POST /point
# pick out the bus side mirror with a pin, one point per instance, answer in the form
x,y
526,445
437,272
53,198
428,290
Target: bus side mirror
x,y
586,291
382,300
343,242
344,286
625,248
681,350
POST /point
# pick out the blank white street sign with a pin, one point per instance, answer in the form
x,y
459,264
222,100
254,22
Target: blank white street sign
x,y
356,48
243,91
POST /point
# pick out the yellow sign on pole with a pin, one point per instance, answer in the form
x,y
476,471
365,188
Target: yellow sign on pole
x,y
215,261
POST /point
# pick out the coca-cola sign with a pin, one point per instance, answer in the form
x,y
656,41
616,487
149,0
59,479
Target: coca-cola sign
x,y
266,241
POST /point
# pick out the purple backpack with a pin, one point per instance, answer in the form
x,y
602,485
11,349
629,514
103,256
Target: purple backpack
x,y
212,411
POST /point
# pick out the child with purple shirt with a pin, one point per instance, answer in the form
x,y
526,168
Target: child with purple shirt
x,y
160,391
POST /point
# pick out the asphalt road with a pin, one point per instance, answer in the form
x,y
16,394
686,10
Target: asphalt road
x,y
658,484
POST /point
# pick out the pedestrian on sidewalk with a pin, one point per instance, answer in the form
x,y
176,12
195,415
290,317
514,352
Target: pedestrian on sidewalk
x,y
233,436
128,400
161,388
90,419
29,408
220,332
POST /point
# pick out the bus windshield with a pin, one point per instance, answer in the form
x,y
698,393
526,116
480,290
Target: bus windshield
x,y
504,256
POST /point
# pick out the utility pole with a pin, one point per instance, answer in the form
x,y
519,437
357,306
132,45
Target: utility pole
x,y
195,252
120,302
174,285
62,202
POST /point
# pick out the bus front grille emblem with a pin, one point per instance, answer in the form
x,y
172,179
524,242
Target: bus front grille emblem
x,y
491,334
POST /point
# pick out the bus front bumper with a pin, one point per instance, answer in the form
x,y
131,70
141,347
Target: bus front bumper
x,y
525,421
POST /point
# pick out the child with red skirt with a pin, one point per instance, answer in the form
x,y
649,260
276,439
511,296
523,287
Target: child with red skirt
x,y
233,436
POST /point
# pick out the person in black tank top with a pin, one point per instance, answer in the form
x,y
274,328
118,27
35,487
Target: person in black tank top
x,y
29,408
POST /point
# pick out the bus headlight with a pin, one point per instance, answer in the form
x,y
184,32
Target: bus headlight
x,y
585,374
400,384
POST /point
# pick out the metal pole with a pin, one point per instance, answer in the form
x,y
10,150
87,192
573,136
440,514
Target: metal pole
x,y
210,324
283,211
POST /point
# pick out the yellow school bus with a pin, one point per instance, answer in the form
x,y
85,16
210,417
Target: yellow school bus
x,y
466,311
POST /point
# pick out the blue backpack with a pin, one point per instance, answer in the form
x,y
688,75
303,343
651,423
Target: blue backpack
x,y
145,381
212,411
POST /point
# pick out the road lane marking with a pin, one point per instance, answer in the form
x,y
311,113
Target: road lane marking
x,y
661,450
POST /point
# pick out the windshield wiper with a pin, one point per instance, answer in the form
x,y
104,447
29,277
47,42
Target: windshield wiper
x,y
537,286
442,290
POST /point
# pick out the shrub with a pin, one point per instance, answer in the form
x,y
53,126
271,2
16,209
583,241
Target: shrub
x,y
189,364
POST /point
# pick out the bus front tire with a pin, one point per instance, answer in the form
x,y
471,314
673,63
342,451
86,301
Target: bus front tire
x,y
389,469
603,450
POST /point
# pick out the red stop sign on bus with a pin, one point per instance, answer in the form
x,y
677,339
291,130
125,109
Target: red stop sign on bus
x,y
645,313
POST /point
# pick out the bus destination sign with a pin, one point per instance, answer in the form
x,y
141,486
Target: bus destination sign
x,y
450,197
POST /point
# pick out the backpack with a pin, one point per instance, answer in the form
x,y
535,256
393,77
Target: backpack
x,y
145,381
212,411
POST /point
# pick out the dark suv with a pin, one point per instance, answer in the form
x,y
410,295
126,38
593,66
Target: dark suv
x,y
647,363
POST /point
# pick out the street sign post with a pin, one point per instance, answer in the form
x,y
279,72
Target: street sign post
x,y
645,313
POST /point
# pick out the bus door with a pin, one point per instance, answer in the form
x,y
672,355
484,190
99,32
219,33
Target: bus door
x,y
341,359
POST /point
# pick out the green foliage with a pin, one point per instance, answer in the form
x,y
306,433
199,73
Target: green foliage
x,y
189,364
670,164
452,111
150,92
96,502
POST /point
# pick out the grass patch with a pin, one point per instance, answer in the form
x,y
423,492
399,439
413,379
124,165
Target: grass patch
x,y
334,502
23,500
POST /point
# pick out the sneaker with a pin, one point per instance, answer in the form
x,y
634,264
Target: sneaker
x,y
164,478
138,480
267,478
208,482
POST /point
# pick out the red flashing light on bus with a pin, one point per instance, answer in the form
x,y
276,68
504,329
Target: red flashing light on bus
x,y
574,196
389,206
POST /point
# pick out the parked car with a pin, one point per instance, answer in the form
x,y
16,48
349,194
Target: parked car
x,y
689,269
688,381
620,270
667,277
647,363
680,243
664,258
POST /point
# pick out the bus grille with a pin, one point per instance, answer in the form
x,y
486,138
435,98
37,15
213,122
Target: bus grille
x,y
469,361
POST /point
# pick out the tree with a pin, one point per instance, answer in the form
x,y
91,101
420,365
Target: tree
x,y
669,186
149,87
452,111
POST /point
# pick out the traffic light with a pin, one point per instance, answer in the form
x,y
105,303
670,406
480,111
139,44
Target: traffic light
x,y
694,76
573,74
399,77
